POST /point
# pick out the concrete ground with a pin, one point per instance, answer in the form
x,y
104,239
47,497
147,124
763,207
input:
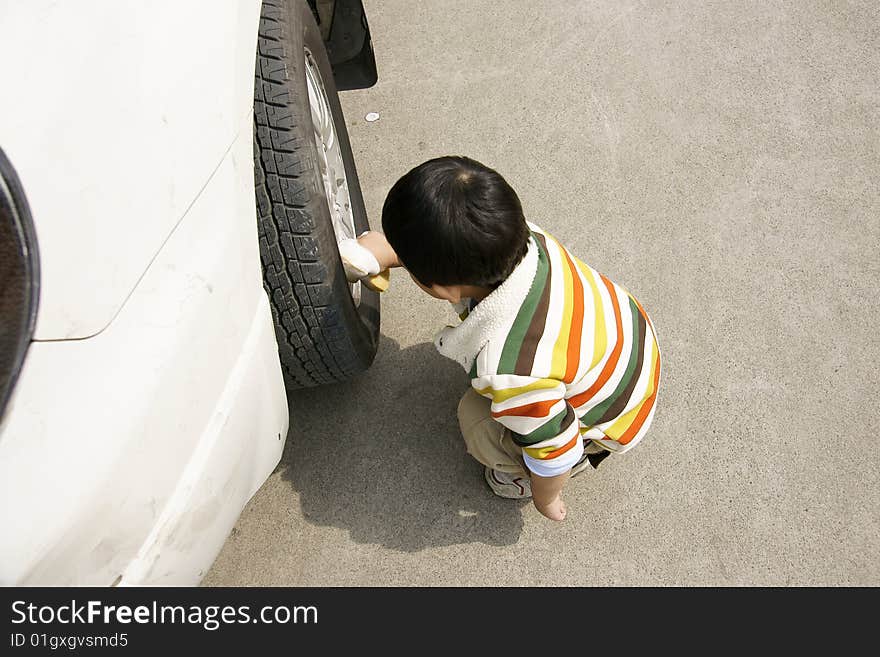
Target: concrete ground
x,y
720,160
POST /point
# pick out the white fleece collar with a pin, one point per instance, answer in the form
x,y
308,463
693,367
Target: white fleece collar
x,y
462,343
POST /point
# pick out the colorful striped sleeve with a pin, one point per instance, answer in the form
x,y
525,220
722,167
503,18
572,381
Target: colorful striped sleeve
x,y
542,422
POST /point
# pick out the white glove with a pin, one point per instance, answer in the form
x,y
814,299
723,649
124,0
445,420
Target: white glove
x,y
361,265
359,261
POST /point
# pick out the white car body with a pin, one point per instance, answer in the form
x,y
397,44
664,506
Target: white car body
x,y
151,405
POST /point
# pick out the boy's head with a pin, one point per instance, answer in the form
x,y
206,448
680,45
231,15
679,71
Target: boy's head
x,y
455,222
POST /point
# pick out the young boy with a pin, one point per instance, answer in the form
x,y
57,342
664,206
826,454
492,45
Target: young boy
x,y
564,364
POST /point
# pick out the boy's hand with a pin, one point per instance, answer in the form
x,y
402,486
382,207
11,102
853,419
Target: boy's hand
x,y
555,510
376,243
368,259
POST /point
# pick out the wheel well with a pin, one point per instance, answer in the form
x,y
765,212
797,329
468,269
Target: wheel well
x,y
346,34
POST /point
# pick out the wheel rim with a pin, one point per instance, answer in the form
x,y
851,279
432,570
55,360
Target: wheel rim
x,y
330,165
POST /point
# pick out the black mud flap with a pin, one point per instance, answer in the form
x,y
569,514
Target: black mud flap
x,y
350,47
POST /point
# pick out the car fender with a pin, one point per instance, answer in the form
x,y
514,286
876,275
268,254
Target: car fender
x,y
116,115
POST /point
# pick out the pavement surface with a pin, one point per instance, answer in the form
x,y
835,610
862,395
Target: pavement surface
x,y
718,159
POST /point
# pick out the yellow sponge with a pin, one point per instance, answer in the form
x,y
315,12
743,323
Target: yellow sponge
x,y
379,282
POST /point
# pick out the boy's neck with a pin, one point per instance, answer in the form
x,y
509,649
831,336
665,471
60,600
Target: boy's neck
x,y
475,292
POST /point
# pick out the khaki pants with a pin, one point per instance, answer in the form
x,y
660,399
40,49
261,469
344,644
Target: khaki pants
x,y
491,444
487,440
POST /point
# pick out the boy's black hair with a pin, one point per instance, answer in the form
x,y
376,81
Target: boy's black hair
x,y
454,221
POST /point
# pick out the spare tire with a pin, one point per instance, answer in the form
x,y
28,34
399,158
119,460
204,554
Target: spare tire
x,y
308,197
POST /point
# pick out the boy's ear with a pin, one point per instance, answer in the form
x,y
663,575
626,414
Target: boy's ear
x,y
451,293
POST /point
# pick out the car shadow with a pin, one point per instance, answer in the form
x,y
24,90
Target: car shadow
x,y
382,457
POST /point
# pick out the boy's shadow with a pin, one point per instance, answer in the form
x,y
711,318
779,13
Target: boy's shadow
x,y
382,457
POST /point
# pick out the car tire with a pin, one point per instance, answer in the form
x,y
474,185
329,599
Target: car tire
x,y
326,329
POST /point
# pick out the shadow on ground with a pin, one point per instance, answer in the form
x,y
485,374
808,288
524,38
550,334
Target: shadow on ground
x,y
382,457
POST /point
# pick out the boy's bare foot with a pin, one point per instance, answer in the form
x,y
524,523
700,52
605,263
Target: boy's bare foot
x,y
555,510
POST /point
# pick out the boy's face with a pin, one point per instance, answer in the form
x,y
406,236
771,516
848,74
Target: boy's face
x,y
433,291
453,293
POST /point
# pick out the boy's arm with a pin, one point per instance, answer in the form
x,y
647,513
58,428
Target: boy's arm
x,y
376,243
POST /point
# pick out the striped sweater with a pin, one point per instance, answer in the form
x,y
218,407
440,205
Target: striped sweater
x,y
564,355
